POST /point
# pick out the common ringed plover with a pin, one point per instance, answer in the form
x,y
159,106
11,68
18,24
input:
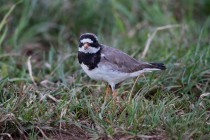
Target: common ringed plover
x,y
104,63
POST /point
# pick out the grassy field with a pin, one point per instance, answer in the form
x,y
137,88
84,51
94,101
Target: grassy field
x,y
44,94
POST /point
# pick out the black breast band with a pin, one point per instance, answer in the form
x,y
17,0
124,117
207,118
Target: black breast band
x,y
89,59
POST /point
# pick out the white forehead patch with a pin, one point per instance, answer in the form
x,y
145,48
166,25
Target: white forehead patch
x,y
86,40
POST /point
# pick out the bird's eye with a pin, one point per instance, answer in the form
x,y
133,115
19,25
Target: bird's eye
x,y
94,45
80,44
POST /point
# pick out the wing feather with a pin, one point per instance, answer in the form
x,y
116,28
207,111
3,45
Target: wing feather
x,y
120,61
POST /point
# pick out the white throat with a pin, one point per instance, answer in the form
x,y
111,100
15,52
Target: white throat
x,y
89,49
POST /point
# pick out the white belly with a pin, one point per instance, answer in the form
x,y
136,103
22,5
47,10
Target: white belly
x,y
104,73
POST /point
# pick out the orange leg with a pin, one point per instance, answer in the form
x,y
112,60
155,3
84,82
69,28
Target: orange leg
x,y
114,95
107,93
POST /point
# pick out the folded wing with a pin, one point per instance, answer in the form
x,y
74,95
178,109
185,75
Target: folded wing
x,y
120,61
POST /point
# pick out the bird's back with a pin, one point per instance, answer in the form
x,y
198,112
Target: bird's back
x,y
123,62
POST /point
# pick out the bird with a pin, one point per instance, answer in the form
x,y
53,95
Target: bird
x,y
103,63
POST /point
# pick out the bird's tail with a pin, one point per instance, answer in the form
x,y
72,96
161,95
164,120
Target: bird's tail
x,y
149,67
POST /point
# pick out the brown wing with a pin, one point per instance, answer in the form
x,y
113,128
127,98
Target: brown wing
x,y
121,61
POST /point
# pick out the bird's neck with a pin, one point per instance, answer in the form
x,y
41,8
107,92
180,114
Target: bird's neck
x,y
91,60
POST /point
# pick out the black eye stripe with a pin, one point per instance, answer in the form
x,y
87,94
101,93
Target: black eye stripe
x,y
81,44
90,44
94,45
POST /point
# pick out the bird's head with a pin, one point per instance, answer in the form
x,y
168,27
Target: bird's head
x,y
88,43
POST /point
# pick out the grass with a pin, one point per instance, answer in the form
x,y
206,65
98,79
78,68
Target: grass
x,y
63,102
